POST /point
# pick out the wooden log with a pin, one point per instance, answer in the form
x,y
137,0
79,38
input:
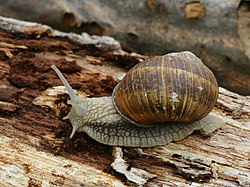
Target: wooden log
x,y
217,31
35,148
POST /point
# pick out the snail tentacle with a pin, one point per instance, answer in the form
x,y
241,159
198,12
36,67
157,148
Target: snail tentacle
x,y
75,100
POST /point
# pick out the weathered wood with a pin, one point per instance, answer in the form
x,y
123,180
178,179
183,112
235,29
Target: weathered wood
x,y
35,149
216,31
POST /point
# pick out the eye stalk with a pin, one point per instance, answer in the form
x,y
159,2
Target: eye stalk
x,y
75,100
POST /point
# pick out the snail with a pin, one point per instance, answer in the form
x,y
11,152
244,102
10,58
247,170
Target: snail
x,y
162,99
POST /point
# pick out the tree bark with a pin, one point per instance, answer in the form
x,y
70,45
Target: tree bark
x,y
35,148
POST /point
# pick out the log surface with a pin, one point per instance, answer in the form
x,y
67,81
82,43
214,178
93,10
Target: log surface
x,y
216,30
35,148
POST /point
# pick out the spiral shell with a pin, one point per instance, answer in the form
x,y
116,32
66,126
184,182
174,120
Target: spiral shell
x,y
174,87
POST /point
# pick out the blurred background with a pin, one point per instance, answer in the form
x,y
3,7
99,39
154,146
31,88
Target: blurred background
x,y
217,31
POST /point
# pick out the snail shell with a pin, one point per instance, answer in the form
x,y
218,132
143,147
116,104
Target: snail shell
x,y
175,87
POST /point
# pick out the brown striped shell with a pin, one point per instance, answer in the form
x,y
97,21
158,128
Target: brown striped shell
x,y
174,87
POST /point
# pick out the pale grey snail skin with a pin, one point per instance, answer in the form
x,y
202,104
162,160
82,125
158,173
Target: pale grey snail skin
x,y
100,120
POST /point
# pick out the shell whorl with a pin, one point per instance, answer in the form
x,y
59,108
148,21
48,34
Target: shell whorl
x,y
175,87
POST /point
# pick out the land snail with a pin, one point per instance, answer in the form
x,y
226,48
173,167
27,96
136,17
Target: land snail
x,y
162,99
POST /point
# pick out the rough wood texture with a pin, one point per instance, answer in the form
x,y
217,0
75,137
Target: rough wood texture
x,y
216,31
35,149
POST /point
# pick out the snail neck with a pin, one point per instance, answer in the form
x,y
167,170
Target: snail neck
x,y
78,105
97,111
89,113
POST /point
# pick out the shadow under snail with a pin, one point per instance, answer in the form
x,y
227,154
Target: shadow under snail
x,y
160,100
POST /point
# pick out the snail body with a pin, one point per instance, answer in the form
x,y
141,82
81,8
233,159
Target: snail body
x,y
160,100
